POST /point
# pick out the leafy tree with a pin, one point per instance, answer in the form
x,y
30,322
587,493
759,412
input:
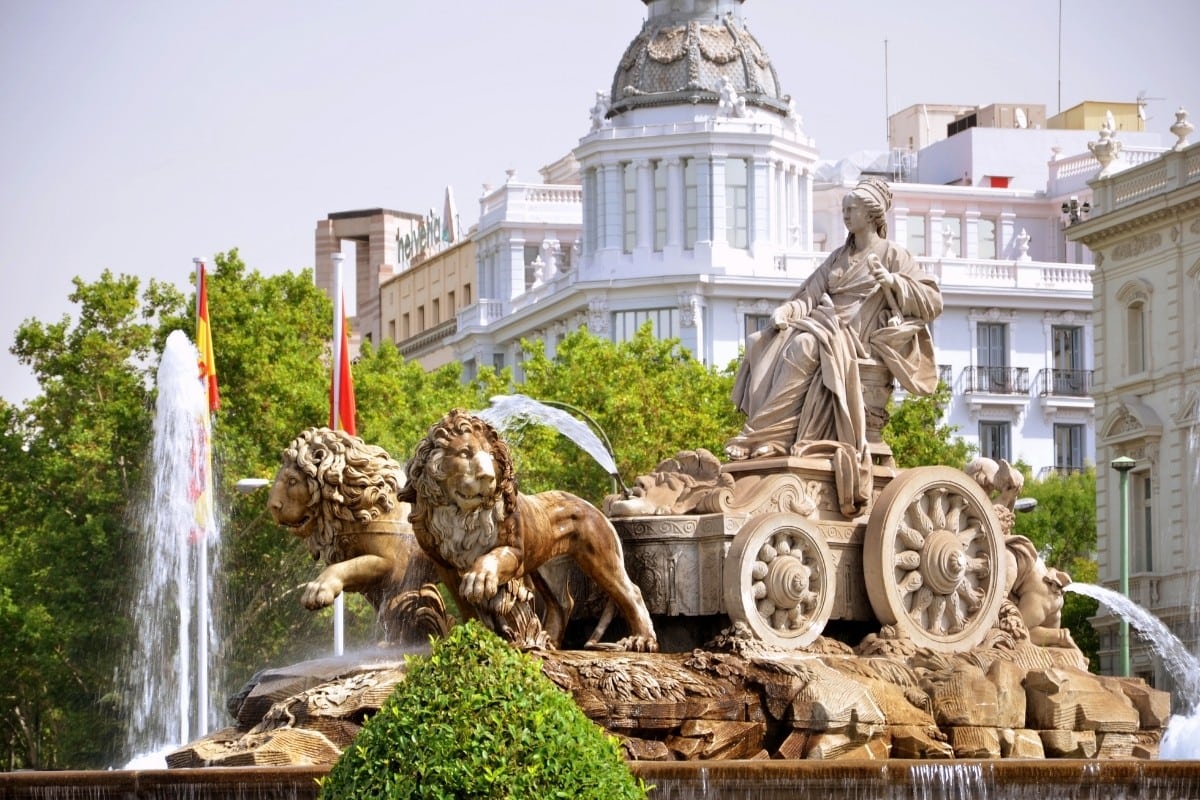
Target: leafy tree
x,y
918,435
76,455
478,719
650,397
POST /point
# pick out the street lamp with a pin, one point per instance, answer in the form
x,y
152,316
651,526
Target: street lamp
x,y
1075,211
1122,464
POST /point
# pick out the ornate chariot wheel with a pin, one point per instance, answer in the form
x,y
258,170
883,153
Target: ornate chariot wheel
x,y
934,558
779,579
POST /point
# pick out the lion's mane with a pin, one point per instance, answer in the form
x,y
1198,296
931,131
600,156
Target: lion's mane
x,y
349,482
425,473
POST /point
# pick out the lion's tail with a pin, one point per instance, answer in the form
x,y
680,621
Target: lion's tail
x,y
606,618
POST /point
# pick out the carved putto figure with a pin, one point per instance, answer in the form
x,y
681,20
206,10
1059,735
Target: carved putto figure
x,y
599,111
730,103
492,543
799,384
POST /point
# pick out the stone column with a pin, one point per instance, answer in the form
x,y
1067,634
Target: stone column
x,y
720,203
804,213
760,204
704,199
514,267
1006,236
645,205
610,236
675,205
970,234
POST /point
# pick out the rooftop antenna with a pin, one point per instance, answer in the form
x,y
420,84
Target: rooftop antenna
x,y
1142,100
886,105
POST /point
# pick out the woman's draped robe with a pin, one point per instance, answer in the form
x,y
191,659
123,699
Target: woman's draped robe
x,y
800,387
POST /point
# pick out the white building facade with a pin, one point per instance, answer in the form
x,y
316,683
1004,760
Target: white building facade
x,y
1145,231
697,203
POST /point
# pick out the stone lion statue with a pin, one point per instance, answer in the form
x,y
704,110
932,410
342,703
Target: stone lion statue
x,y
340,495
492,543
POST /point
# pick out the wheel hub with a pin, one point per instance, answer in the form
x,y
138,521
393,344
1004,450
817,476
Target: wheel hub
x,y
944,565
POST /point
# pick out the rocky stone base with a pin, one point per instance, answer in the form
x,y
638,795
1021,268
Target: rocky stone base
x,y
741,701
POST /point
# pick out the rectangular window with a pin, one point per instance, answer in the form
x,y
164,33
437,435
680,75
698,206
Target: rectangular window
x,y
466,294
498,361
951,237
660,205
1068,448
755,323
916,234
995,440
450,308
985,238
629,205
1069,376
992,357
1141,522
420,319
1135,333
392,330
737,203
437,311
691,200
405,326
664,323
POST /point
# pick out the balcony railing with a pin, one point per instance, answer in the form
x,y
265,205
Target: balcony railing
x,y
1064,382
946,374
996,380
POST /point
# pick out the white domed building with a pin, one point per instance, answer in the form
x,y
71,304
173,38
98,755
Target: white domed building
x,y
696,202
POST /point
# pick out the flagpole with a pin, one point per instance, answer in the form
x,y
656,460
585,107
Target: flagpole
x,y
202,602
339,604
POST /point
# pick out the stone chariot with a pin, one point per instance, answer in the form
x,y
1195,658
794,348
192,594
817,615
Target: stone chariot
x,y
766,543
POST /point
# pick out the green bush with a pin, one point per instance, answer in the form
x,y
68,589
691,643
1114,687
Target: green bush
x,y
477,719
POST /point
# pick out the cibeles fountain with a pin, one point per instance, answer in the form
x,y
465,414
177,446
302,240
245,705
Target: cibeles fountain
x,y
799,610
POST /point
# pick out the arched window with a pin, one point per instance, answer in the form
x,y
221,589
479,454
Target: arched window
x,y
1135,297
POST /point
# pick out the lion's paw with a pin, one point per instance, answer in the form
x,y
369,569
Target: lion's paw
x,y
638,644
479,585
319,594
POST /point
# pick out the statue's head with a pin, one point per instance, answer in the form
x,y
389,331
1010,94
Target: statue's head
x,y
875,194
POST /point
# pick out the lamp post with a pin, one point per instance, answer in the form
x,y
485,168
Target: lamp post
x,y
1122,464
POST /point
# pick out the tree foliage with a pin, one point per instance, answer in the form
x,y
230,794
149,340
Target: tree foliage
x,y
650,398
918,434
477,719
1063,528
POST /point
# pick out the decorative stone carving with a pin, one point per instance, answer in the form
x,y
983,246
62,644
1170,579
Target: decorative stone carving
x,y
599,111
679,485
597,320
1107,150
359,528
490,541
730,103
1142,243
689,309
1181,128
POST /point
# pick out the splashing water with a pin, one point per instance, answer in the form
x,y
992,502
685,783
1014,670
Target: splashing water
x,y
177,539
506,409
1182,737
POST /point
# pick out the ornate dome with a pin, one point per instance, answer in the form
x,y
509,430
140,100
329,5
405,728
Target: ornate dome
x,y
685,56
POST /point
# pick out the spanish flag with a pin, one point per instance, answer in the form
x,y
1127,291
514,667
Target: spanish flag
x,y
208,366
341,389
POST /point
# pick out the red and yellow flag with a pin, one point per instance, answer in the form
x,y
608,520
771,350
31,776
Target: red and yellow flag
x,y
208,366
341,389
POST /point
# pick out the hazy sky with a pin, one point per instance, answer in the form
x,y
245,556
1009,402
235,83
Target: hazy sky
x,y
139,133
